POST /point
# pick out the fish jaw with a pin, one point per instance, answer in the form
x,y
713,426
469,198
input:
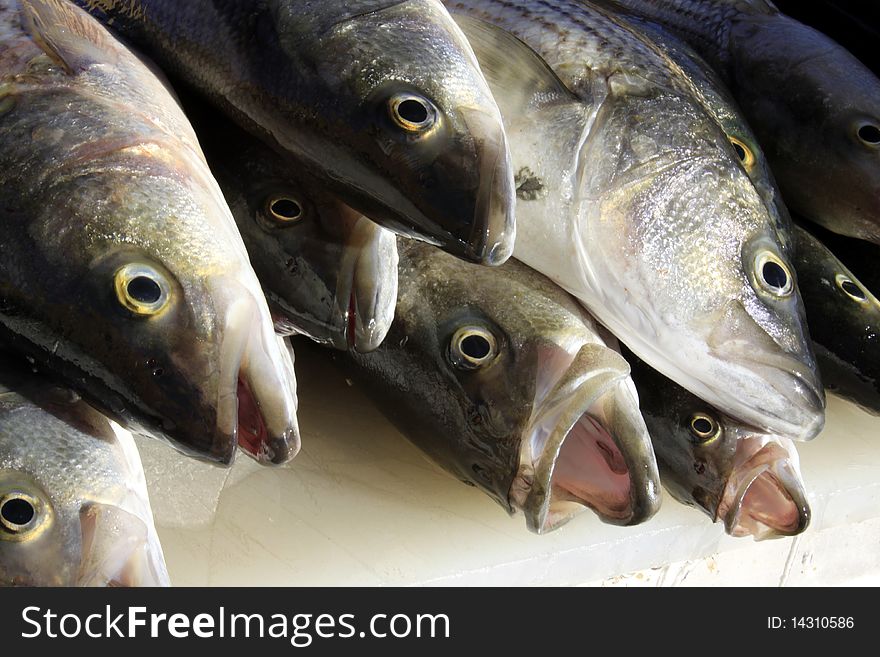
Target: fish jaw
x,y
256,402
780,392
764,495
118,549
776,391
494,222
366,293
586,445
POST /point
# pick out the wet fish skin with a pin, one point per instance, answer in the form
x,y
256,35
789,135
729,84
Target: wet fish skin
x,y
712,93
844,319
328,272
746,478
81,479
518,426
806,102
634,200
102,184
318,80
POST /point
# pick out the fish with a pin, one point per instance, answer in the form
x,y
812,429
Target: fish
x,y
383,101
74,509
123,270
327,271
842,315
504,381
633,199
746,478
814,107
844,320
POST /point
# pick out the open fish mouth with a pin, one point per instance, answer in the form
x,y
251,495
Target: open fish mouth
x,y
764,496
119,549
257,397
366,293
586,447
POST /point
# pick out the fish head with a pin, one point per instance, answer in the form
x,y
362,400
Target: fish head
x,y
434,163
746,478
157,316
516,393
844,319
816,110
328,271
73,505
709,296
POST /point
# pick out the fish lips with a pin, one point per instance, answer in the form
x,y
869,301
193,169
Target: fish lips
x,y
799,411
586,446
119,549
764,495
366,292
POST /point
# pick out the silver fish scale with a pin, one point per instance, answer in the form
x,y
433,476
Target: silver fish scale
x,y
704,23
382,39
69,465
578,41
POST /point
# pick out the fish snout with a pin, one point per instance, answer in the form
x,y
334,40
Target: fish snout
x,y
493,230
257,386
119,549
366,293
586,445
764,496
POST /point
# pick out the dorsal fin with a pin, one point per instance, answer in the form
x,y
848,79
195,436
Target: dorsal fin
x,y
510,64
67,34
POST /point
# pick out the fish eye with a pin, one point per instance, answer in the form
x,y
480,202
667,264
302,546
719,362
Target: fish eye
x,y
19,513
704,428
472,347
745,154
413,113
773,275
850,288
284,210
141,289
869,134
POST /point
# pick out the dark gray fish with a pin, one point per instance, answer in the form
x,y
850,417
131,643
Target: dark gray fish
x,y
384,101
74,509
122,266
844,319
328,272
501,378
814,107
746,478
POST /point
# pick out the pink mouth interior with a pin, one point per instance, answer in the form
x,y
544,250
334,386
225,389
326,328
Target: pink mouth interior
x,y
758,500
591,471
252,431
767,509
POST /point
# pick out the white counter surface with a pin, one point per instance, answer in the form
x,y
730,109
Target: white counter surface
x,y
361,506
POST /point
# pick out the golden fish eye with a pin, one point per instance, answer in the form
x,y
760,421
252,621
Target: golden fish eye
x,y
472,347
412,113
869,134
704,428
745,154
20,514
773,275
850,288
284,210
141,289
